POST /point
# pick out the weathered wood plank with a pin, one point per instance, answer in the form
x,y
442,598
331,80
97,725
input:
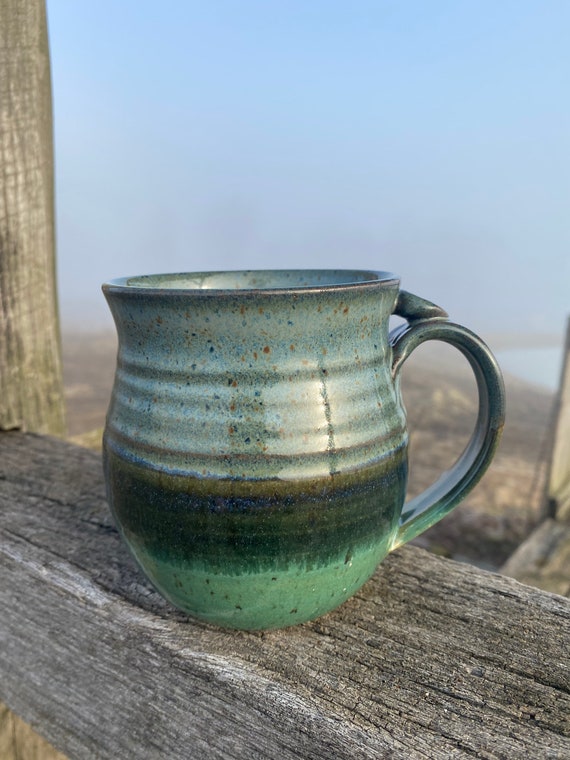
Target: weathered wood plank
x,y
430,659
19,742
30,355
558,479
543,559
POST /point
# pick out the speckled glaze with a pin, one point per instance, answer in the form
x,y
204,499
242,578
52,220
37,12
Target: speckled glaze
x,y
255,450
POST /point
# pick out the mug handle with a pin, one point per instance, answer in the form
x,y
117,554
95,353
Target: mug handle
x,y
426,321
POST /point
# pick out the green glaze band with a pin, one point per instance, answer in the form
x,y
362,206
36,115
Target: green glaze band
x,y
257,554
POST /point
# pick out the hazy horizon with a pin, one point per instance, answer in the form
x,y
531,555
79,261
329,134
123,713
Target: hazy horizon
x,y
427,139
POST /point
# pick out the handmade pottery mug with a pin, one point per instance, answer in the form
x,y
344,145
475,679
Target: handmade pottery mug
x,y
255,449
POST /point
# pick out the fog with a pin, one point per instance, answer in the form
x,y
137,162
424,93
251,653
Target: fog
x,y
430,139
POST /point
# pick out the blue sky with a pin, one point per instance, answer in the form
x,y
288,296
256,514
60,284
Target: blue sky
x,y
431,139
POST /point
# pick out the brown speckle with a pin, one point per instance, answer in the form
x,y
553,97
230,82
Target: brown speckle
x,y
292,347
266,350
234,384
231,430
345,310
255,355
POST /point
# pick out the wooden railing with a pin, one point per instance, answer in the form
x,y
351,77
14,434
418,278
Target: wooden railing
x,y
430,659
543,560
558,483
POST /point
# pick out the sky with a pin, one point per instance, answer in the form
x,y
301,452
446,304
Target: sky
x,y
429,138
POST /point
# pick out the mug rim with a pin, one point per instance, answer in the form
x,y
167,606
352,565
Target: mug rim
x,y
326,279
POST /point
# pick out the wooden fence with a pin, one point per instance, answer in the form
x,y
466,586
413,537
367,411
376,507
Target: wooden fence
x,y
430,659
543,560
558,482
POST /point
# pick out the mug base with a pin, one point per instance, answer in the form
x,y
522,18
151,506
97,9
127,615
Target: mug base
x,y
261,600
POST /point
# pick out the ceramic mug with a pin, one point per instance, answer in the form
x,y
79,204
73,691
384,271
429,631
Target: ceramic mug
x,y
255,449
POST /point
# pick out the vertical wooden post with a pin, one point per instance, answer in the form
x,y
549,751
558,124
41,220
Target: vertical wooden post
x,y
557,497
31,387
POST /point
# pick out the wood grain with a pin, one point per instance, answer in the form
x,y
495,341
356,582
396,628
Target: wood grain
x,y
558,482
19,742
30,356
430,659
543,560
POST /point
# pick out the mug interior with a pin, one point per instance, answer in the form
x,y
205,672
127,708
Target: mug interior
x,y
255,279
